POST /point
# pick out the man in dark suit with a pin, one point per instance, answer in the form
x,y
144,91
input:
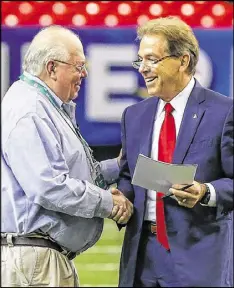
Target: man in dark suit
x,y
185,240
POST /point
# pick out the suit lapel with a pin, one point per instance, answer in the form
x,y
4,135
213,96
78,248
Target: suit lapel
x,y
193,114
148,117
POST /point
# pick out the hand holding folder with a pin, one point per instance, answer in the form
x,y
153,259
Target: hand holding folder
x,y
160,176
183,189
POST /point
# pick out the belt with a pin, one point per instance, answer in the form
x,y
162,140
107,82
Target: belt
x,y
40,242
150,227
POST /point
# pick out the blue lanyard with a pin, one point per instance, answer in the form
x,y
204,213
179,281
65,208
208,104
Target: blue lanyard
x,y
94,165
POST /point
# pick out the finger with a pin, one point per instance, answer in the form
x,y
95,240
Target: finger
x,y
130,206
178,186
123,201
186,204
123,219
114,211
115,191
193,189
119,214
182,194
120,200
127,204
181,203
179,199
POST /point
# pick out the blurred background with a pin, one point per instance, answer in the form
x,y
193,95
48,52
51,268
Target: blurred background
x,y
108,32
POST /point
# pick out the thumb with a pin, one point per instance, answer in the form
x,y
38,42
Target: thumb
x,y
115,191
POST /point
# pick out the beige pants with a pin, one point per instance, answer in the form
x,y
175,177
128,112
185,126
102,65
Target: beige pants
x,y
28,266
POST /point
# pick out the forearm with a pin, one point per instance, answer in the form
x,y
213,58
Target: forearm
x,y
58,192
74,197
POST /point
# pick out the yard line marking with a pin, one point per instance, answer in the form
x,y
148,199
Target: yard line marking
x,y
98,267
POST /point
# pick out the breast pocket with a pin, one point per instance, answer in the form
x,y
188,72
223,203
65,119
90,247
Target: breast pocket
x,y
198,146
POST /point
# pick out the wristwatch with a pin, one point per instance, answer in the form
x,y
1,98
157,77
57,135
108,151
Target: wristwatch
x,y
206,198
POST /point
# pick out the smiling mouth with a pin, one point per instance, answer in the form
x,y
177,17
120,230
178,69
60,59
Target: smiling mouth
x,y
149,80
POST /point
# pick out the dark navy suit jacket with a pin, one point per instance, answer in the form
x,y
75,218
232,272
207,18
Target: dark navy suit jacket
x,y
201,238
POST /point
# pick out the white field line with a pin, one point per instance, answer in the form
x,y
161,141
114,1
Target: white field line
x,y
98,267
104,250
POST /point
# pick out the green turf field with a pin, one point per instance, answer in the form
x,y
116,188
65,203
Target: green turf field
x,y
99,265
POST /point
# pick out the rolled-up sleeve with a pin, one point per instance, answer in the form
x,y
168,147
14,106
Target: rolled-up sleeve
x,y
33,152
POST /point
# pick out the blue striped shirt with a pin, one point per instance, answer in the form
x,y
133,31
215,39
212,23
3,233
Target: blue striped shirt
x,y
46,181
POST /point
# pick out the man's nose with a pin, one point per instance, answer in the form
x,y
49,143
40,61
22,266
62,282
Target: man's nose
x,y
143,68
84,73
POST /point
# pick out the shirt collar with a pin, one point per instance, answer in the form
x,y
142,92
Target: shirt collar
x,y
180,100
70,106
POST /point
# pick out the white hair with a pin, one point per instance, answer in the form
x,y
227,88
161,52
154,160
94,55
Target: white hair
x,y
49,43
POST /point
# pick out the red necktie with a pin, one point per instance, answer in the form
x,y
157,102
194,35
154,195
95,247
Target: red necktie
x,y
166,145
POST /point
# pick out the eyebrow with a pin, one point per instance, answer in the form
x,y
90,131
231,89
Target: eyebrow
x,y
149,55
80,62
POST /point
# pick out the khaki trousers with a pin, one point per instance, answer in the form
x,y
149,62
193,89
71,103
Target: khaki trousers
x,y
31,266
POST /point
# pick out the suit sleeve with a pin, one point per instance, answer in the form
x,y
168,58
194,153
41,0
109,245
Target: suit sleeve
x,y
224,186
124,182
110,170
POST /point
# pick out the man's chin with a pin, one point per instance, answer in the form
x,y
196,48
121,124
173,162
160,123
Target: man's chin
x,y
74,96
152,92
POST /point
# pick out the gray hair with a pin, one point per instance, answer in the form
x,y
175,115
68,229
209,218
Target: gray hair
x,y
50,43
180,37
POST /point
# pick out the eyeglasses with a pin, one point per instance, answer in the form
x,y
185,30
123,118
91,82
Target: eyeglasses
x,y
149,63
79,68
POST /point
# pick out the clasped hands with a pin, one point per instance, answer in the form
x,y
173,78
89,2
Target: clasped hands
x,y
189,197
122,209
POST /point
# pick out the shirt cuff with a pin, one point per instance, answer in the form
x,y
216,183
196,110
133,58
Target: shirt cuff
x,y
105,205
212,201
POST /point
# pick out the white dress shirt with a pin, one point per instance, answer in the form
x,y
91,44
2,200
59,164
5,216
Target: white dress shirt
x,y
178,103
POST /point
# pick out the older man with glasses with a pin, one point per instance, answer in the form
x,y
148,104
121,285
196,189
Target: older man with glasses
x,y
184,240
55,195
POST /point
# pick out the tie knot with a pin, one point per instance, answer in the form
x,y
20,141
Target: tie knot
x,y
168,108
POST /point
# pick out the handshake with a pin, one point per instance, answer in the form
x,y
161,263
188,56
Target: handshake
x,y
122,209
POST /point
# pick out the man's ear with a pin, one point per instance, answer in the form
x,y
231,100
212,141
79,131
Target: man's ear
x,y
184,62
51,70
